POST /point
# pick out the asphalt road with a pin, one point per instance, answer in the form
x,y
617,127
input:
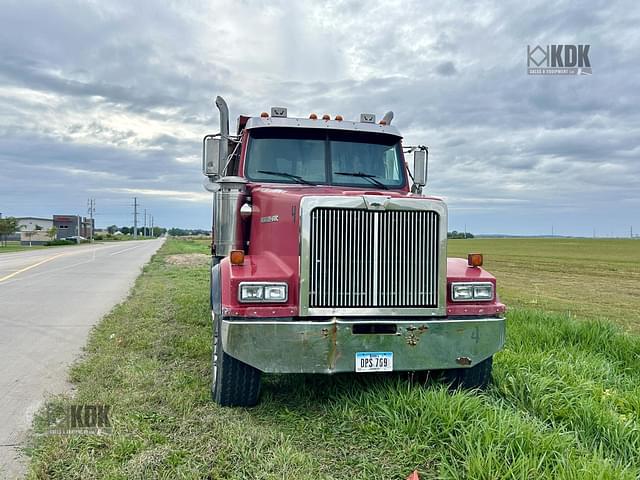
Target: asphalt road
x,y
49,300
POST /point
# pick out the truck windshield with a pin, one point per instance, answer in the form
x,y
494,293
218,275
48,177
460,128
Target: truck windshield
x,y
285,155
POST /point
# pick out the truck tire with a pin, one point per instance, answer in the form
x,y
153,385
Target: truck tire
x,y
477,376
234,383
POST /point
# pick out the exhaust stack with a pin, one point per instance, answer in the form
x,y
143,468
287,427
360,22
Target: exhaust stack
x,y
224,134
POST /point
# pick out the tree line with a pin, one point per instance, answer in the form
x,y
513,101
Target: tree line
x,y
457,234
154,232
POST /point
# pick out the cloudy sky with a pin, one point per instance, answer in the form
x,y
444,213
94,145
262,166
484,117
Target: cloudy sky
x,y
110,100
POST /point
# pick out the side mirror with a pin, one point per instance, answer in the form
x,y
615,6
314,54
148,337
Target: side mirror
x,y
211,156
420,165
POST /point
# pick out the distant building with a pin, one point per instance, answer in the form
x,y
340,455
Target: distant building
x,y
34,223
34,237
33,230
73,225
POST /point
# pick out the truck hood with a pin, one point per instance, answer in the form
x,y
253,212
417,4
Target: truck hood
x,y
275,215
299,191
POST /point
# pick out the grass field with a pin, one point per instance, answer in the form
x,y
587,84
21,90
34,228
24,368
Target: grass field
x,y
583,278
565,401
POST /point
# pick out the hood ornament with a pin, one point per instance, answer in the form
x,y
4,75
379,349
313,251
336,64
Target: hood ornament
x,y
376,202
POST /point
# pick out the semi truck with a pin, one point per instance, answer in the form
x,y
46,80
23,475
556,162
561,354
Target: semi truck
x,y
328,257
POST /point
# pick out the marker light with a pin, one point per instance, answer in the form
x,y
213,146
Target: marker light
x,y
326,117
236,257
264,115
382,122
338,118
259,292
313,116
475,259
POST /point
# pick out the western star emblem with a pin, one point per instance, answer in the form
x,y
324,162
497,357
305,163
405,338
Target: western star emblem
x,y
270,219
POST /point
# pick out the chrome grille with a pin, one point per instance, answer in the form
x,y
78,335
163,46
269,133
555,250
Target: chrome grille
x,y
364,258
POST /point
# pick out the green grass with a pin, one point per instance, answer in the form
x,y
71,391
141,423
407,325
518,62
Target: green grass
x,y
582,278
14,246
565,404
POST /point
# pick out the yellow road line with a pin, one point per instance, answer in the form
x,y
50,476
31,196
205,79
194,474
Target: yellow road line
x,y
7,277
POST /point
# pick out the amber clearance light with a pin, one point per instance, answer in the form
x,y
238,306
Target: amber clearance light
x,y
474,259
236,257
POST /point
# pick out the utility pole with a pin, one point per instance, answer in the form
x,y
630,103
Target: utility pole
x,y
91,210
552,230
152,231
144,230
135,217
78,233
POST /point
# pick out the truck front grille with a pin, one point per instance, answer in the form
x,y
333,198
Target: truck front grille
x,y
363,258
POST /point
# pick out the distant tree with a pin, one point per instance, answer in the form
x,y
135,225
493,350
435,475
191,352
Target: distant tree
x,y
456,234
8,226
125,230
52,233
112,229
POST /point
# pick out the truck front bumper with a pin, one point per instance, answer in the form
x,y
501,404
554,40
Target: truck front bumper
x,y
331,346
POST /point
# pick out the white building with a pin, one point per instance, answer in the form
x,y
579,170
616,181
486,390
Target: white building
x,y
34,223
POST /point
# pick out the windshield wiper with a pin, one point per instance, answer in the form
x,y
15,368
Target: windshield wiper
x,y
297,178
372,178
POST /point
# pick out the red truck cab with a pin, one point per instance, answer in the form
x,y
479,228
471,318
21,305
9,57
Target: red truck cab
x,y
328,258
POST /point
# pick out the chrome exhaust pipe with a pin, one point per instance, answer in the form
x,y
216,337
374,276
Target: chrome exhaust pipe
x,y
224,134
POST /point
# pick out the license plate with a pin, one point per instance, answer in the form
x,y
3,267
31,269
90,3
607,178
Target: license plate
x,y
374,361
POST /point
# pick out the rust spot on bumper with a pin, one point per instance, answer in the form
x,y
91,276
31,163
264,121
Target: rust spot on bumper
x,y
412,337
463,361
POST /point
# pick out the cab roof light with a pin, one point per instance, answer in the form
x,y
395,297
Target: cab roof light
x,y
326,117
367,118
264,115
236,257
313,116
339,118
475,259
279,112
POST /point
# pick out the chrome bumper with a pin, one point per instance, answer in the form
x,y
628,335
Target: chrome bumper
x,y
331,346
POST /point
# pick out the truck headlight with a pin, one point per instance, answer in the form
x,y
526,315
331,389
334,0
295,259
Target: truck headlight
x,y
472,291
258,292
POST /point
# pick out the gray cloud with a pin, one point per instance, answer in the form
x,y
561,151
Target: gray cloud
x,y
109,99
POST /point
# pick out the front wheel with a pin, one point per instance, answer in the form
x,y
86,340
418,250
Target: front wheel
x,y
234,383
477,376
